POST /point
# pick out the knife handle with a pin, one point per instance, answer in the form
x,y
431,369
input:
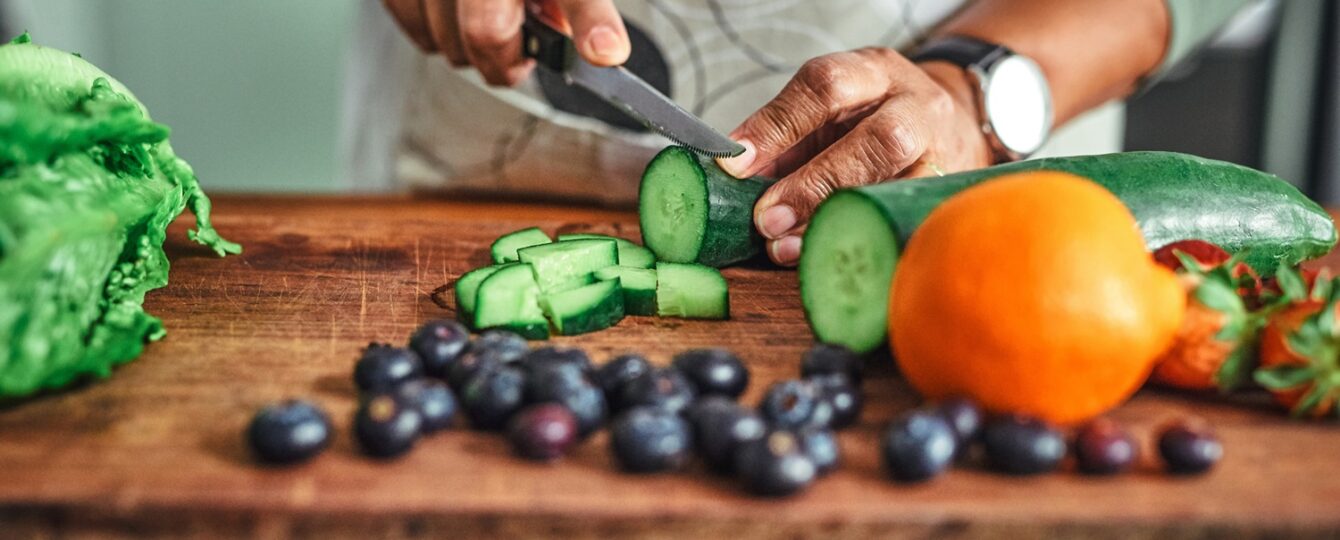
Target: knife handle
x,y
550,48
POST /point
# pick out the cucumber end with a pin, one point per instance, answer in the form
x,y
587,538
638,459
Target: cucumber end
x,y
845,270
672,205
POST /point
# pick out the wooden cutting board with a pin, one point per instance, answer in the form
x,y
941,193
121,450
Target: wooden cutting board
x,y
156,451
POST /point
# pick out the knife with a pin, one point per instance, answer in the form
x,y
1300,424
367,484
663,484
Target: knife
x,y
555,52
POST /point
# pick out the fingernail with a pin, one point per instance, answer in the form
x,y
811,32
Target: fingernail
x,y
604,42
776,221
738,166
786,251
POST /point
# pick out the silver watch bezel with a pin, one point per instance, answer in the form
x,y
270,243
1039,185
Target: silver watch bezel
x,y
984,75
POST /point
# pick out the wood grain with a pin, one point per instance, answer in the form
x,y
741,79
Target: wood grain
x,y
156,450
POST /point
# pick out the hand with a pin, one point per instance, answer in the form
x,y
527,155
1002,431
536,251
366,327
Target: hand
x,y
486,34
849,119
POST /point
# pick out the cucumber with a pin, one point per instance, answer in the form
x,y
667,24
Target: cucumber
x,y
467,286
509,300
505,247
692,211
585,309
851,245
638,285
691,291
630,254
560,264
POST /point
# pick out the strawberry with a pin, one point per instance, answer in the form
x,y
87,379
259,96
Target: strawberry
x,y
1207,256
1213,347
1300,349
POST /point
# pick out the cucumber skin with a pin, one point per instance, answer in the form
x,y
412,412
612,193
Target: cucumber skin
x,y
1173,197
604,315
1160,188
729,236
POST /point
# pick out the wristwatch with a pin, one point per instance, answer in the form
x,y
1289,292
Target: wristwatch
x,y
1013,98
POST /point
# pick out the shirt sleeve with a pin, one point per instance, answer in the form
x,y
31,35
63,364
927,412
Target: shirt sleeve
x,y
1191,24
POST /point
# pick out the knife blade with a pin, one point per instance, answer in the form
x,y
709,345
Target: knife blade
x,y
625,91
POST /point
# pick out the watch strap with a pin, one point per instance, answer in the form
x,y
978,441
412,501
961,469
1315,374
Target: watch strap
x,y
962,51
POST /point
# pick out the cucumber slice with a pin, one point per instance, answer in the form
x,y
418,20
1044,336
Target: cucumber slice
x,y
562,263
691,291
585,309
630,254
467,286
639,287
505,247
692,211
509,300
844,277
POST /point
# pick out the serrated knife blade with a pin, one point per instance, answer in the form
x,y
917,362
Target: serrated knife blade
x,y
554,51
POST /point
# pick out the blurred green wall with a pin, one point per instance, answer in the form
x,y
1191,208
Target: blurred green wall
x,y
251,88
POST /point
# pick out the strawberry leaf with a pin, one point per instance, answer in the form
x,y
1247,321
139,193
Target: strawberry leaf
x,y
1219,296
1189,263
1236,369
1284,377
1291,284
1311,400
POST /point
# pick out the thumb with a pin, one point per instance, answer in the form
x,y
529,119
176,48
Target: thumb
x,y
597,30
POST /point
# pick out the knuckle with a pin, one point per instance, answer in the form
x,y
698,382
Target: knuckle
x,y
826,79
775,127
490,30
893,143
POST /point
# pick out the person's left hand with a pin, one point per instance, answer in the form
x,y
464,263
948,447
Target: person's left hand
x,y
850,119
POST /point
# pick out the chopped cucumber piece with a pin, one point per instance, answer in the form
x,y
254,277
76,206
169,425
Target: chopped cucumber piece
x,y
691,291
560,264
844,275
630,254
585,309
639,287
505,247
509,300
692,211
467,286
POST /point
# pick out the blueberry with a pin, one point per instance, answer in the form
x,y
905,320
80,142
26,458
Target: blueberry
x,y
965,417
434,401
386,427
289,432
439,343
650,439
468,365
775,465
503,345
661,387
793,404
1102,447
843,397
720,426
713,371
918,446
542,432
1022,445
617,372
383,367
492,396
826,359
822,448
1189,448
544,357
566,385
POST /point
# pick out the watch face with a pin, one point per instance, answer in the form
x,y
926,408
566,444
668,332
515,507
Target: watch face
x,y
1018,104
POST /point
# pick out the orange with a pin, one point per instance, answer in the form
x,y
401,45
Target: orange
x,y
1032,293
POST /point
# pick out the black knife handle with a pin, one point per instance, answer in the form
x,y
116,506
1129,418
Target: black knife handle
x,y
550,48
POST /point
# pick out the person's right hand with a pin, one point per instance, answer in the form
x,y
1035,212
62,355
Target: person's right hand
x,y
486,34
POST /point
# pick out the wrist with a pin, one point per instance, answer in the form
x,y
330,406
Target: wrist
x,y
961,87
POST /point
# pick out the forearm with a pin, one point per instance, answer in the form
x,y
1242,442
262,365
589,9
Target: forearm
x,y
1092,51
